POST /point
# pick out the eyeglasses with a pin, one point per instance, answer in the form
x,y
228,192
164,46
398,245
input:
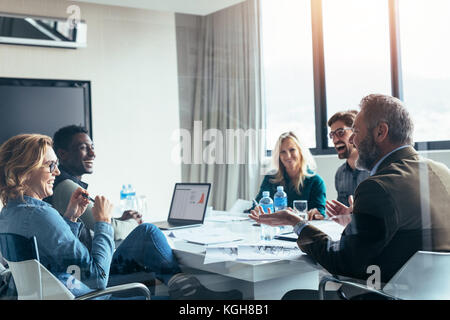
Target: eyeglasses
x,y
338,132
53,165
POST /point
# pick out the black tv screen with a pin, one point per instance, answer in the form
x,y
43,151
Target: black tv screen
x,y
42,106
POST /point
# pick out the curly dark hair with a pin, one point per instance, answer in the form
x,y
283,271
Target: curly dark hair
x,y
63,137
348,117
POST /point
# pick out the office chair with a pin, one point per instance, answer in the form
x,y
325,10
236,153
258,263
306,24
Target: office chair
x,y
424,276
34,282
362,289
6,292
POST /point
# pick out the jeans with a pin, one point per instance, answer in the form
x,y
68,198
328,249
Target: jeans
x,y
145,250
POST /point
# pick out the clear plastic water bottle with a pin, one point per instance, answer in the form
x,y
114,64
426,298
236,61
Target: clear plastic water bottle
x,y
280,203
266,202
131,199
123,198
280,199
267,232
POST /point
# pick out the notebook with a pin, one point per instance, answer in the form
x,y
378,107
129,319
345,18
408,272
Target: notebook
x,y
188,207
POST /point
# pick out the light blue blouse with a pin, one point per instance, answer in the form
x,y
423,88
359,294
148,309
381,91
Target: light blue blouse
x,y
58,244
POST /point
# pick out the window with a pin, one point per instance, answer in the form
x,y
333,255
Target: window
x,y
356,51
287,67
354,42
424,34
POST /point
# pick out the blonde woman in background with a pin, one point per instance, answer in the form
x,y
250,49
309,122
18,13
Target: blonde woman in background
x,y
295,171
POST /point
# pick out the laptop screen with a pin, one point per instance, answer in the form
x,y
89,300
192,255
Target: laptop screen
x,y
189,201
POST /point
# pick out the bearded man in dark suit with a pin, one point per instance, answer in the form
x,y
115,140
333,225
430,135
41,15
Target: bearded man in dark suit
x,y
401,208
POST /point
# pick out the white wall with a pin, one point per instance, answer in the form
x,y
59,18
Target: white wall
x,y
328,164
131,63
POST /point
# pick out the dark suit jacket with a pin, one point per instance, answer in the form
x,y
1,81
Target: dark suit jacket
x,y
404,207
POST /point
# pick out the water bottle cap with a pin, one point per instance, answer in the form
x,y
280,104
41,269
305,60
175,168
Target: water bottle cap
x,y
266,193
280,188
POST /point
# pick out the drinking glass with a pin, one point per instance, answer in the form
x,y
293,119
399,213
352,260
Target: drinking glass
x,y
142,205
268,232
301,208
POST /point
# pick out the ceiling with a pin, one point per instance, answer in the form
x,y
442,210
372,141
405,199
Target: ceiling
x,y
198,7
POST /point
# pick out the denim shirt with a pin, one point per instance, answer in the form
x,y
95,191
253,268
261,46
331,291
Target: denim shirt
x,y
60,250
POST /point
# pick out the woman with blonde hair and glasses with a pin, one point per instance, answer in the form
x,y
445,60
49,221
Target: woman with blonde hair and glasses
x,y
295,171
28,167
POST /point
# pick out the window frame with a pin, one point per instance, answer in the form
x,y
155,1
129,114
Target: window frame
x,y
320,96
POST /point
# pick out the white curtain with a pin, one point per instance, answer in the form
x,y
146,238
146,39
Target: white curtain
x,y
219,66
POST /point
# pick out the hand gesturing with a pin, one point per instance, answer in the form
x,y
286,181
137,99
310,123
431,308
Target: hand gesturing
x,y
339,212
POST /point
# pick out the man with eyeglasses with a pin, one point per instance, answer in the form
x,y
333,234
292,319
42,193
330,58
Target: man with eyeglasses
x,y
347,177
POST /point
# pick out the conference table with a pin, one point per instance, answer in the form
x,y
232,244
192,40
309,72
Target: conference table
x,y
256,279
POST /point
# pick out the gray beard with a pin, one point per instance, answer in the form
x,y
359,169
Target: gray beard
x,y
368,153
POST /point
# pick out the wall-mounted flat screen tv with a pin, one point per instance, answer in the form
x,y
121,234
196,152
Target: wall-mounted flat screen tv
x,y
43,106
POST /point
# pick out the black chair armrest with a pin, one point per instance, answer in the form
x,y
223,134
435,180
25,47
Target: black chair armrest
x,y
335,279
5,272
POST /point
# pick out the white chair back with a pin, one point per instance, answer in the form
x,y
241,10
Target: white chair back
x,y
34,282
425,276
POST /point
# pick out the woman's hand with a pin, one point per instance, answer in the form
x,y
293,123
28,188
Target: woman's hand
x,y
315,214
77,205
102,209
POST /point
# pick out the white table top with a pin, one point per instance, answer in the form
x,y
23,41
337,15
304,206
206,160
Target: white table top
x,y
193,255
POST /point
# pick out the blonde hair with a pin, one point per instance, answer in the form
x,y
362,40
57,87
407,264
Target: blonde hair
x,y
19,156
307,162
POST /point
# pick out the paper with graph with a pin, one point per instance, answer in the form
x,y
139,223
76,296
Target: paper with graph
x,y
249,252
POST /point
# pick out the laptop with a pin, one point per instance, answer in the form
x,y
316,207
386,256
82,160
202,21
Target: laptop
x,y
188,207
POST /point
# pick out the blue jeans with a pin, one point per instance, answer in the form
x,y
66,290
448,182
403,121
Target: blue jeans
x,y
145,250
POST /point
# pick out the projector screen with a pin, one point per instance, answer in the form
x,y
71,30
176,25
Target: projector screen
x,y
42,106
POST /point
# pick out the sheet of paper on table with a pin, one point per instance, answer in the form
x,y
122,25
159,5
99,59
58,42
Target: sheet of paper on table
x,y
331,228
273,250
241,205
227,217
220,254
205,236
268,252
236,213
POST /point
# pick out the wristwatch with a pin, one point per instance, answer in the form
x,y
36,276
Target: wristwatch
x,y
299,226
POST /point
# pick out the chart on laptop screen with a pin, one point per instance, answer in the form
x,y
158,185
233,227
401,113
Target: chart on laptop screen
x,y
189,202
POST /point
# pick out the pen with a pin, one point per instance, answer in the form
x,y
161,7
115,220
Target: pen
x,y
256,205
87,197
338,216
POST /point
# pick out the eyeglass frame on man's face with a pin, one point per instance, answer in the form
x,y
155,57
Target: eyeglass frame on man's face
x,y
338,132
